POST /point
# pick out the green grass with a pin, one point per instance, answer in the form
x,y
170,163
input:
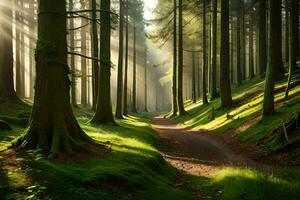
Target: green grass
x,y
133,169
248,100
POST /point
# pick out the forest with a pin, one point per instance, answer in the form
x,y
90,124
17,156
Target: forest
x,y
149,99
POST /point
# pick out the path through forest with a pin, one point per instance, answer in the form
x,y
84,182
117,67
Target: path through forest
x,y
196,152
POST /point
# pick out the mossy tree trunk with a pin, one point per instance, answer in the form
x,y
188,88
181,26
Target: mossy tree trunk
x,y
125,104
204,61
180,61
225,86
238,45
174,82
7,92
119,107
274,49
103,114
52,127
262,37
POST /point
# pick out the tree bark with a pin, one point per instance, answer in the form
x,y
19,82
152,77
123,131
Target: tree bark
x,y
83,33
274,51
204,62
7,92
225,87
180,62
294,34
287,31
52,127
214,93
146,79
194,95
134,108
243,41
125,104
103,114
95,53
262,37
251,49
174,86
119,107
238,46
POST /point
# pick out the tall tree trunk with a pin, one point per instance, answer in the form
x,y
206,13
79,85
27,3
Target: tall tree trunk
x,y
134,108
225,87
251,49
174,86
103,114
52,127
22,51
287,31
194,95
119,107
294,34
243,41
238,46
7,92
146,79
279,70
72,61
274,50
214,93
83,32
180,62
32,27
262,37
95,52
18,47
125,104
204,62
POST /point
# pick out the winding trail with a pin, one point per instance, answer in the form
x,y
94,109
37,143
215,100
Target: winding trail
x,y
195,152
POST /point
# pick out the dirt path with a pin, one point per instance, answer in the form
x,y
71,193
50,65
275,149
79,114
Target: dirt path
x,y
195,152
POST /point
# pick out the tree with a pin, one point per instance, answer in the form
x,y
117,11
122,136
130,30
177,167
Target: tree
x,y
214,93
7,92
95,51
251,49
174,75
262,37
103,114
294,34
83,32
134,108
119,107
146,79
53,126
238,44
274,50
72,44
125,110
204,62
180,61
194,95
225,87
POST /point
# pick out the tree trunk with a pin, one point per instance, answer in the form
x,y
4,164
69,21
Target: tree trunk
x,y
251,49
262,37
225,87
72,49
7,92
279,70
174,86
204,64
287,31
274,51
134,108
146,79
52,127
243,41
125,104
119,107
194,95
214,93
32,27
95,52
103,114
294,34
83,31
18,46
238,46
180,62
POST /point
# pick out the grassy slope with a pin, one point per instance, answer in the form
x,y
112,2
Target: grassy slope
x,y
248,105
133,169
